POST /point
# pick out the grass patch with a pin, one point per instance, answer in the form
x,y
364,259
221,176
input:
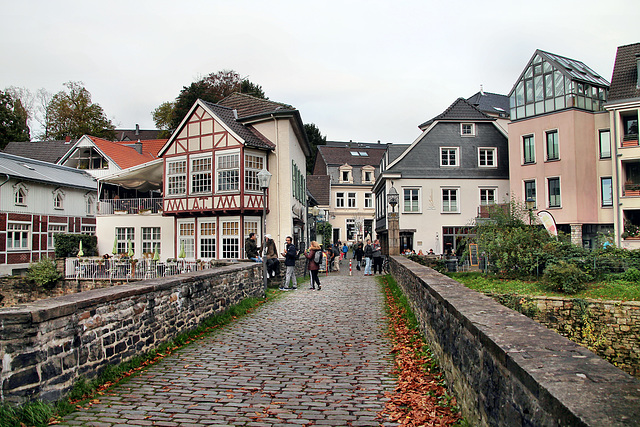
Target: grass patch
x,y
611,288
38,413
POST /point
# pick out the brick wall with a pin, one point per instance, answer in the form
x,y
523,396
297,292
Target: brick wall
x,y
506,369
46,345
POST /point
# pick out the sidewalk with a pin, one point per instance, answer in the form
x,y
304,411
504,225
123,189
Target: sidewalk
x,y
310,358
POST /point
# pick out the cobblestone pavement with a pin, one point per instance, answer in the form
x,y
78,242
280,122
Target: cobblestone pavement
x,y
310,358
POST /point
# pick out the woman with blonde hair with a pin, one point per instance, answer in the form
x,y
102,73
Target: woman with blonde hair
x,y
314,255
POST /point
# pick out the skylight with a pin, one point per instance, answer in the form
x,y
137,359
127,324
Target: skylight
x,y
355,153
364,154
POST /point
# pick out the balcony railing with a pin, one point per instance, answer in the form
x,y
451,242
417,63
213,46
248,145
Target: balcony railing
x,y
129,206
114,269
631,189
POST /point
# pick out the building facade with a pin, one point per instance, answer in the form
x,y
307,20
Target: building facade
x,y
623,105
211,188
559,146
457,164
37,201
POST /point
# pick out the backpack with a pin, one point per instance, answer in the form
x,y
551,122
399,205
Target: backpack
x,y
317,257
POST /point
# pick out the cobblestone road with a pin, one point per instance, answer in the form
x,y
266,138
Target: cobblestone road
x,y
310,358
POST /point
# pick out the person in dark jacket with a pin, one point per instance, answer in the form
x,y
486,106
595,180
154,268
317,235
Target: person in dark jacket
x,y
251,247
290,254
270,252
314,263
335,257
377,257
358,253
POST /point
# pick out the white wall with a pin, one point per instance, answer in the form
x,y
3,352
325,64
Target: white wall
x,y
106,232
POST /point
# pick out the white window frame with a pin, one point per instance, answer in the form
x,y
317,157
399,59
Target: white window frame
x,y
186,232
418,208
90,204
368,200
446,209
207,235
340,200
494,160
252,160
546,144
349,171
524,158
52,230
176,184
88,229
368,170
21,229
228,186
456,158
123,235
151,240
559,205
58,199
467,134
350,223
493,190
352,200
198,171
227,240
20,193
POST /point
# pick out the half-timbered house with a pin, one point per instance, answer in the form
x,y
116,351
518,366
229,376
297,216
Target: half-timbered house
x,y
211,166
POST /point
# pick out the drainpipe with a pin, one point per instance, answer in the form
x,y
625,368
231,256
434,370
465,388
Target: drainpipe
x,y
618,203
275,126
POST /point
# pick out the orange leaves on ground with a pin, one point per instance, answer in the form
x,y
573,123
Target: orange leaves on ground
x,y
419,399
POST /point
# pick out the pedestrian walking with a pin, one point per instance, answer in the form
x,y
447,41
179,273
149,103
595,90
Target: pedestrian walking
x,y
377,257
290,254
368,257
335,257
314,255
358,253
345,250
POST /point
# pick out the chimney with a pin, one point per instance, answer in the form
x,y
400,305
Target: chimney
x,y
137,129
481,90
67,139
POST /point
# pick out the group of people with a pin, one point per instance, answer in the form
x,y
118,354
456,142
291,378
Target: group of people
x,y
367,255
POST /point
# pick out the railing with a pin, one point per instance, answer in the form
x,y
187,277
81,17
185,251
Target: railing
x,y
631,190
129,206
114,269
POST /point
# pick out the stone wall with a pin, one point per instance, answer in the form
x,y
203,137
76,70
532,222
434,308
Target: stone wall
x,y
609,328
45,346
506,369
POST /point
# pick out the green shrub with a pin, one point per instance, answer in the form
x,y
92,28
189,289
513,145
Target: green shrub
x,y
43,273
67,245
566,278
632,275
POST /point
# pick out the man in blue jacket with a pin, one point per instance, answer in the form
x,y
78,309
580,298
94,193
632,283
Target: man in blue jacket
x,y
290,255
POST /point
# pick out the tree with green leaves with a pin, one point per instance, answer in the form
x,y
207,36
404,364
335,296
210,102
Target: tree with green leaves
x,y
315,138
72,113
13,120
162,117
211,88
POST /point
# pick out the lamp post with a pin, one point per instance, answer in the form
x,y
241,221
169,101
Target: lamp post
x,y
264,178
394,227
530,203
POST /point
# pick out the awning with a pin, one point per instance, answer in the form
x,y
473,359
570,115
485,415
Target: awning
x,y
144,177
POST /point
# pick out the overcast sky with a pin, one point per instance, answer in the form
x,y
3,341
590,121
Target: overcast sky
x,y
360,70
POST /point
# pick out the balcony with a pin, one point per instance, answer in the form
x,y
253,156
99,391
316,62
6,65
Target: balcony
x,y
130,206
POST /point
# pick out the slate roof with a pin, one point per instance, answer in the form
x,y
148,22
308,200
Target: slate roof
x,y
490,103
248,106
320,188
46,151
624,82
339,155
136,134
251,137
395,150
460,111
45,172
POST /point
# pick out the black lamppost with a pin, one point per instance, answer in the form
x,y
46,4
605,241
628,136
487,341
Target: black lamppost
x,y
394,222
530,203
264,178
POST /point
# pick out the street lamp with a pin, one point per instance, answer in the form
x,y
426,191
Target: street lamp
x,y
394,222
264,178
530,203
393,197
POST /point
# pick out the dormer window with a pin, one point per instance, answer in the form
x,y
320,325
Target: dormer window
x,y
368,175
20,194
58,199
345,174
467,129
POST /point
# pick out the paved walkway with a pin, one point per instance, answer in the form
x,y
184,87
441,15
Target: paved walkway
x,y
310,358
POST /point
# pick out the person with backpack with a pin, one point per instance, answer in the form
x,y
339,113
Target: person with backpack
x,y
368,255
290,254
314,255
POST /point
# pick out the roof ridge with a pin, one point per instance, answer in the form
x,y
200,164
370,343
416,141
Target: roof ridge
x,y
40,162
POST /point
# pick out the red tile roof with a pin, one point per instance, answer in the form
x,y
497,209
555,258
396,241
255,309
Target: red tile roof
x,y
126,156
